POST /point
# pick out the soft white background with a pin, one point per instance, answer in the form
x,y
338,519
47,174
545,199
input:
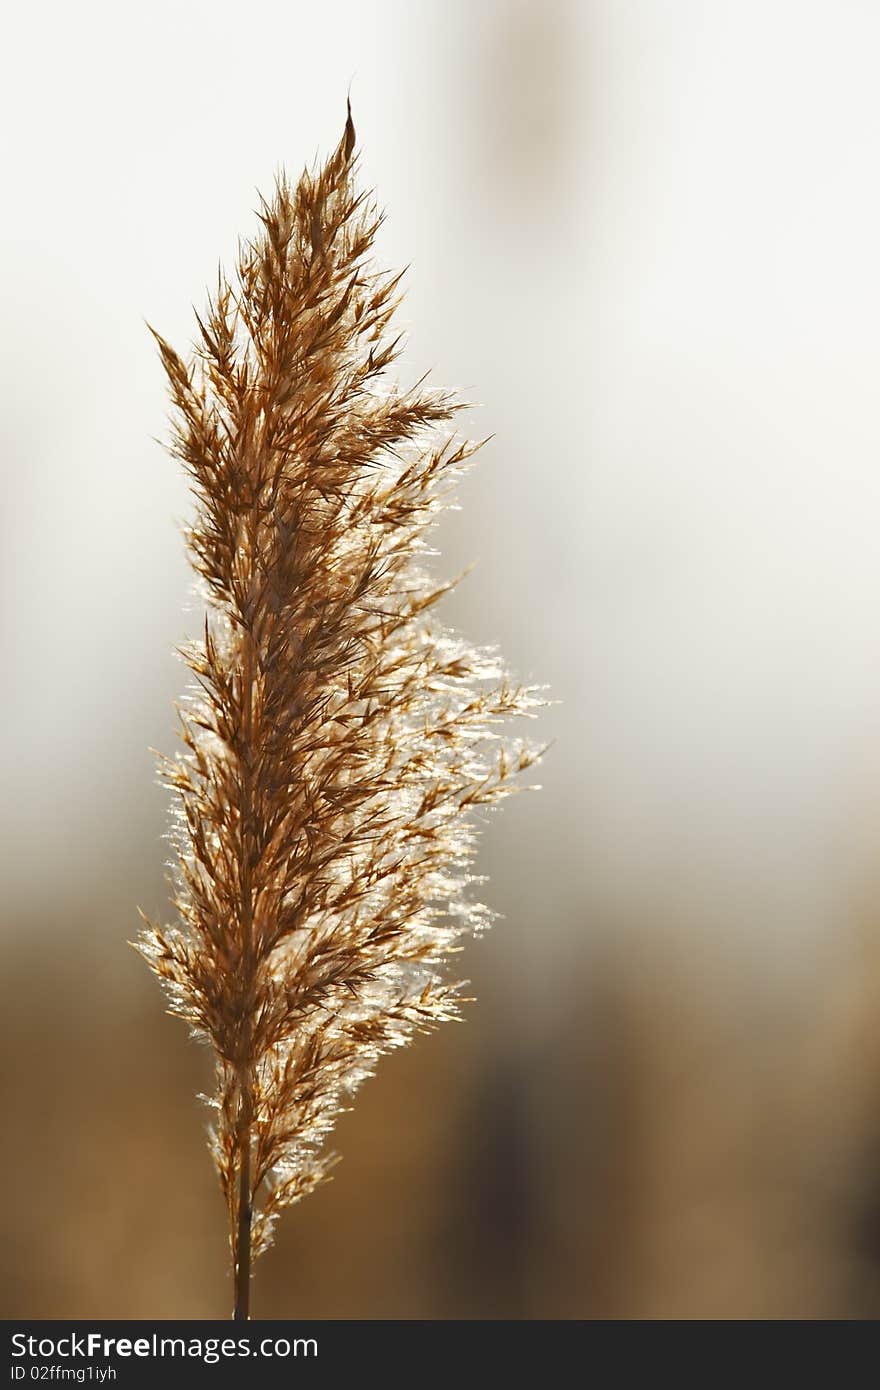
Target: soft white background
x,y
644,236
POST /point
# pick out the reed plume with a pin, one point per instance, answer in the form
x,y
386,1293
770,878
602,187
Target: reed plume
x,y
335,740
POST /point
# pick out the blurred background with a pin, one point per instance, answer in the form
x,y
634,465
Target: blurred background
x,y
642,236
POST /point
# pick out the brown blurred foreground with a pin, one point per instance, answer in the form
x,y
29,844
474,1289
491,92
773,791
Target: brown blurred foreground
x,y
644,1156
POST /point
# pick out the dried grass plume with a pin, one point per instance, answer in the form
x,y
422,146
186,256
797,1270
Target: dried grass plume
x,y
336,740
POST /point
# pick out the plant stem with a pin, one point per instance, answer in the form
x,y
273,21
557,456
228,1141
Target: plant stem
x,y
241,1312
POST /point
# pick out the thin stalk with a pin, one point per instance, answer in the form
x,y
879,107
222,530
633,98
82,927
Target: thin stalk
x,y
241,1310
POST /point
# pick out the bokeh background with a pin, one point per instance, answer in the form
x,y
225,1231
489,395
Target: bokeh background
x,y
643,238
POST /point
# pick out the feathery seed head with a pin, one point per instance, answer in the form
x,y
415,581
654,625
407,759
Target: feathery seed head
x,y
337,739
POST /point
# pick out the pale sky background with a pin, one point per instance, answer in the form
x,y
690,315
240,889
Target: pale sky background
x,y
643,235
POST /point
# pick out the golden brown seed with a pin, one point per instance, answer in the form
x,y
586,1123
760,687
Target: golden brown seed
x,y
336,737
